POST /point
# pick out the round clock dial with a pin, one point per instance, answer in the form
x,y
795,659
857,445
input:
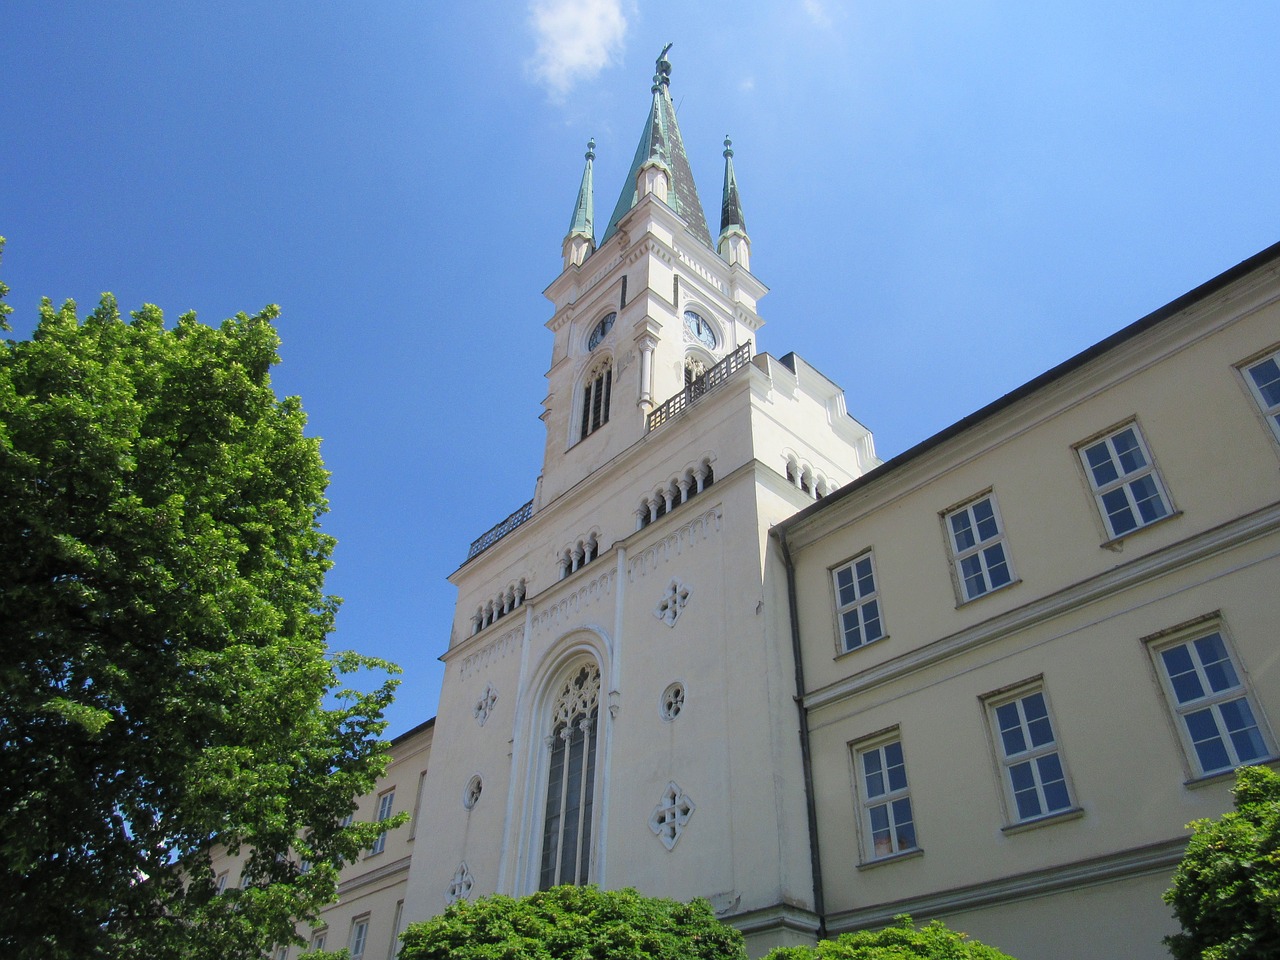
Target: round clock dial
x,y
601,329
699,329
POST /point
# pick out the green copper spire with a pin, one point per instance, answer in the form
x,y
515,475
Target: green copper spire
x,y
731,217
661,142
583,222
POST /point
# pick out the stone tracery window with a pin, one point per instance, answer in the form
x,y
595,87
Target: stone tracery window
x,y
572,743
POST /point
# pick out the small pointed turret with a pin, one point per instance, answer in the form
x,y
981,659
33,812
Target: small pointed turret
x,y
580,241
660,165
734,245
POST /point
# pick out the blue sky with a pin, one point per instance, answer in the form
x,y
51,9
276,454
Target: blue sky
x,y
945,199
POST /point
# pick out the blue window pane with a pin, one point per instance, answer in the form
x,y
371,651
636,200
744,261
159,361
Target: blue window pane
x,y
866,583
985,516
845,586
852,630
1010,729
872,770
975,581
1217,666
997,567
906,834
1207,740
1128,451
1101,465
897,773
873,630
1147,496
1266,376
1182,674
1041,731
1240,724
1021,776
1118,513
880,819
1054,782
962,530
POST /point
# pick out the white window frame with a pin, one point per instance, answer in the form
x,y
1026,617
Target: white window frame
x,y
386,800
855,602
220,881
877,792
1270,411
1121,494
318,940
1027,772
979,556
1216,707
395,931
359,939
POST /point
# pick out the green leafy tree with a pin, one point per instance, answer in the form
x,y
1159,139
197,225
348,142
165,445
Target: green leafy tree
x,y
901,941
1226,891
574,923
165,683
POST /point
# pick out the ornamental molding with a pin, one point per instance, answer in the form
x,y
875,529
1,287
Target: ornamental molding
x,y
492,651
671,815
461,884
686,537
484,706
673,602
569,606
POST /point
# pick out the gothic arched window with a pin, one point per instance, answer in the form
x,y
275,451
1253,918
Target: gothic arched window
x,y
571,775
595,399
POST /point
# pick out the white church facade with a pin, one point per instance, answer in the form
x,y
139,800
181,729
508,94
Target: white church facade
x,y
725,652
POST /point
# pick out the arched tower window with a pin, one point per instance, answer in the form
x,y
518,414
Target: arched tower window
x,y
572,740
595,399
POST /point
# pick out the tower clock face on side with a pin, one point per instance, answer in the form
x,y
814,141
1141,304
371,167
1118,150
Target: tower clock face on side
x,y
600,330
699,329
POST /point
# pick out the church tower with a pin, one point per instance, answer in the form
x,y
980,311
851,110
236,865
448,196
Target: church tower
x,y
618,699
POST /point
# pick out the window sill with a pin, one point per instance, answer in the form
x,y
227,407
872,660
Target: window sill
x,y
858,649
994,590
1049,819
1116,544
911,854
1209,779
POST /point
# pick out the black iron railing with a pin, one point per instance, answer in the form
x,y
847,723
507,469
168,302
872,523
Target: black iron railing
x,y
700,387
495,534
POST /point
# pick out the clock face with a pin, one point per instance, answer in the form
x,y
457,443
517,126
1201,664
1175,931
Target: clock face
x,y
699,329
601,329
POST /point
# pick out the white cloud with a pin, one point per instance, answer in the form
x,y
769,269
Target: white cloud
x,y
576,40
818,13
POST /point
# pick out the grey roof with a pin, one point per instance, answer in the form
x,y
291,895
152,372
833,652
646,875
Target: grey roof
x,y
583,222
730,203
661,141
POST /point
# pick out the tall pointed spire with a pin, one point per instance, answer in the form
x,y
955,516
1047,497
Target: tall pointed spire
x,y
580,241
734,245
662,149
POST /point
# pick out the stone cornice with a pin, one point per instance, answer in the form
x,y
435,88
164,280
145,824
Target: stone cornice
x,y
1229,535
1156,858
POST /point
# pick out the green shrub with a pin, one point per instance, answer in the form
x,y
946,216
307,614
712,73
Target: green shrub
x,y
1226,891
574,923
902,941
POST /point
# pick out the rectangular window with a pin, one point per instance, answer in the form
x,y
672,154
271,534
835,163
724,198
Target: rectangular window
x,y
858,602
887,822
977,548
317,942
359,934
1263,378
395,931
1124,481
220,884
385,803
1033,772
1216,718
